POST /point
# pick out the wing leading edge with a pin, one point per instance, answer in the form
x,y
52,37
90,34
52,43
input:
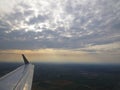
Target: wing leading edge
x,y
19,79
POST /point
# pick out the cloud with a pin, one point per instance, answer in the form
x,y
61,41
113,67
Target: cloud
x,y
112,48
58,24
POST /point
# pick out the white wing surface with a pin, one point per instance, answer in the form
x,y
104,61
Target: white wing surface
x,y
19,79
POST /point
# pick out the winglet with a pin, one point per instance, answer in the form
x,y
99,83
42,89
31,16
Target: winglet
x,y
25,59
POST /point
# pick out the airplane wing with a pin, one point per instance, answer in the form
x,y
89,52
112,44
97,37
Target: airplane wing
x,y
19,79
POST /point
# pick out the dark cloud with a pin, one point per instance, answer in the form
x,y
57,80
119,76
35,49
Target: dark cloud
x,y
37,19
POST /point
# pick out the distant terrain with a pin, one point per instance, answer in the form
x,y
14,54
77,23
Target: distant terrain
x,y
71,76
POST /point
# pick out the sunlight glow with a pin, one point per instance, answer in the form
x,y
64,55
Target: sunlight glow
x,y
57,56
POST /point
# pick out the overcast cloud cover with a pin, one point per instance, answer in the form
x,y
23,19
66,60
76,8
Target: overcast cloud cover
x,y
90,25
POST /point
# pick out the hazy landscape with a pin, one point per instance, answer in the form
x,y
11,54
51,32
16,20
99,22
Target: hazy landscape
x,y
71,76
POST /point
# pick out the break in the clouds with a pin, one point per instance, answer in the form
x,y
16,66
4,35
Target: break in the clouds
x,y
68,24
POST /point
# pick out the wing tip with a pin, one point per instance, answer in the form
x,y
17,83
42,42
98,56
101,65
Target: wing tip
x,y
25,59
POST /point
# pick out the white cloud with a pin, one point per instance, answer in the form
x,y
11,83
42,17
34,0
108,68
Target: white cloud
x,y
111,48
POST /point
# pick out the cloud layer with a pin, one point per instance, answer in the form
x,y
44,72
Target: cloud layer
x,y
66,24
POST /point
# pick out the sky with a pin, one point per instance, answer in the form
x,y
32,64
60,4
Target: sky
x,y
72,31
